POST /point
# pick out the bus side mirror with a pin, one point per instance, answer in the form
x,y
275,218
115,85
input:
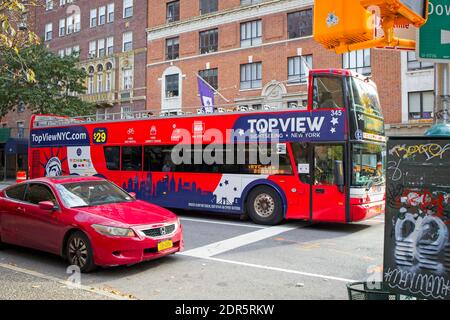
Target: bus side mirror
x,y
339,175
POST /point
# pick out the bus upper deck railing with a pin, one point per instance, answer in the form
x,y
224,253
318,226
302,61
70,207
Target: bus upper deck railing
x,y
57,121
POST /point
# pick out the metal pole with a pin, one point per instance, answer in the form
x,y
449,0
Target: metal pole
x,y
445,97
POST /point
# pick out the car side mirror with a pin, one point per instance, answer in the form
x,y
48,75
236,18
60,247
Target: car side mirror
x,y
133,195
47,205
339,175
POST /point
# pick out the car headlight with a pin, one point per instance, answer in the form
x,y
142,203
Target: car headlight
x,y
113,231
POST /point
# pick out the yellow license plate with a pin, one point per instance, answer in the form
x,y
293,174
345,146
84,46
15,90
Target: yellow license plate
x,y
164,245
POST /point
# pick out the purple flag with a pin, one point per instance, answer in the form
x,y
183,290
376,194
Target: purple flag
x,y
206,96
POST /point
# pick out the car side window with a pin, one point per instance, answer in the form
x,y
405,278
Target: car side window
x,y
16,192
38,192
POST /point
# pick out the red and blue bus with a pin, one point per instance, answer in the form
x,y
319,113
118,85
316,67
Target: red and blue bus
x,y
330,155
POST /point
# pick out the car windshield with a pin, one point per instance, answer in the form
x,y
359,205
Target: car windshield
x,y
368,165
91,193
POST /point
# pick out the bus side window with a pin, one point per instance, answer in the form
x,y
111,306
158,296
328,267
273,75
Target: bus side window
x,y
112,158
158,159
131,158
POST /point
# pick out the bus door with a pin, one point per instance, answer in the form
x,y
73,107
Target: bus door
x,y
328,193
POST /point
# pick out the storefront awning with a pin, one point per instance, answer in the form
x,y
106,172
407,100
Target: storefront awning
x,y
16,146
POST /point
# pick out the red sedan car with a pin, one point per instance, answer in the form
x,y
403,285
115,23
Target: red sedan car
x,y
89,221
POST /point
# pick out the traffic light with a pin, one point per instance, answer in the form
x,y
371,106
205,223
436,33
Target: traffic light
x,y
403,11
346,25
341,22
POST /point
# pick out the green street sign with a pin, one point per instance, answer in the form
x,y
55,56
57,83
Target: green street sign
x,y
434,37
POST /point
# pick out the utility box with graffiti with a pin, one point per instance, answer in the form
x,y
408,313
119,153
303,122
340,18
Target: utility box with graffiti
x,y
416,247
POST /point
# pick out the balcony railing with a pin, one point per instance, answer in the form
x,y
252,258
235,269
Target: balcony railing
x,y
100,97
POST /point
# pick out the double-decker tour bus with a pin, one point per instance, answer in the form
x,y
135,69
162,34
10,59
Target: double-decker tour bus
x,y
326,161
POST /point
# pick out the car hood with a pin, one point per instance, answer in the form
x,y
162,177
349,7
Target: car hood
x,y
134,213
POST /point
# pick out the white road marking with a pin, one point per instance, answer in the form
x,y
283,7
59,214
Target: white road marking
x,y
307,274
69,284
236,242
224,223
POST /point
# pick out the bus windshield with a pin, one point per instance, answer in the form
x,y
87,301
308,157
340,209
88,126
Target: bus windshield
x,y
365,98
368,165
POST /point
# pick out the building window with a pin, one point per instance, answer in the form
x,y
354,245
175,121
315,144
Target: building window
x,y
210,76
20,129
101,15
127,79
61,53
251,75
20,107
110,45
125,112
300,24
209,41
127,41
62,27
74,23
414,64
108,84
68,51
173,11
93,20
249,2
208,6
172,48
172,85
101,48
251,33
92,49
49,5
358,61
127,8
48,31
298,69
110,13
100,78
421,105
91,80
76,50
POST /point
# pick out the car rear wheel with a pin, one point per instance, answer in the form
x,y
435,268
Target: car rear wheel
x,y
79,252
264,206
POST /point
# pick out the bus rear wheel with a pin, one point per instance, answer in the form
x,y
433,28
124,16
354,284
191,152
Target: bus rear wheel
x,y
264,206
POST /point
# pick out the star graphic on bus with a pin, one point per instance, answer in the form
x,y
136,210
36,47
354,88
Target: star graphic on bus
x,y
334,121
333,130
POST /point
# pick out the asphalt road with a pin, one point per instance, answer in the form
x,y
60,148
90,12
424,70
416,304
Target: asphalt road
x,y
224,258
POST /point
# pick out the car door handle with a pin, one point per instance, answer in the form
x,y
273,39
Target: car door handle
x,y
322,191
20,210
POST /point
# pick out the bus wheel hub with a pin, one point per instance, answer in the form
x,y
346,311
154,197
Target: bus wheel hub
x,y
264,205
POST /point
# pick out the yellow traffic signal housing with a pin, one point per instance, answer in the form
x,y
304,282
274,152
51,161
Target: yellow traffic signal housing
x,y
347,25
341,22
403,11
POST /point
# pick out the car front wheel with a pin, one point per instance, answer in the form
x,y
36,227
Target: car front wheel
x,y
79,252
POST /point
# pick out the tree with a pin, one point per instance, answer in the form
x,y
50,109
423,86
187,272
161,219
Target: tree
x,y
57,86
15,34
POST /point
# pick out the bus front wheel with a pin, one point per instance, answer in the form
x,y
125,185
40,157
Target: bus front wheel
x,y
264,206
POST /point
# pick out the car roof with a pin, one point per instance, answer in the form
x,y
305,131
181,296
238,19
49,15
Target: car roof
x,y
65,179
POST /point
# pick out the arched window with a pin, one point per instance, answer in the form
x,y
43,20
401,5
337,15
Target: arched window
x,y
108,84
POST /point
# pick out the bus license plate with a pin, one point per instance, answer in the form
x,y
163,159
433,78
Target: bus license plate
x,y
164,245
